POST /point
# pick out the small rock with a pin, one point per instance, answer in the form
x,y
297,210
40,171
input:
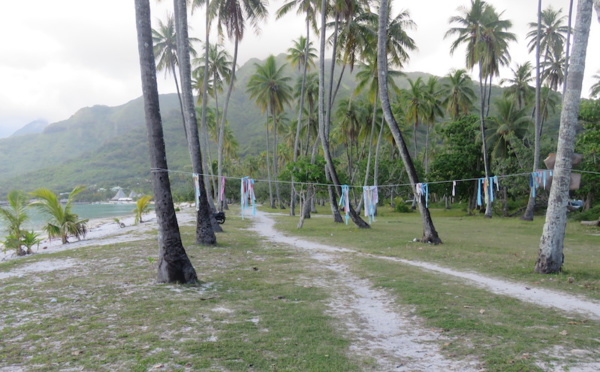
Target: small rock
x,y
571,279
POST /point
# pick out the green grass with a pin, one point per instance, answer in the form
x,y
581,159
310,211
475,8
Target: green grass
x,y
107,312
255,308
503,247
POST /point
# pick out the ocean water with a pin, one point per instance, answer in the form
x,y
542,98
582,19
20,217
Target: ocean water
x,y
89,211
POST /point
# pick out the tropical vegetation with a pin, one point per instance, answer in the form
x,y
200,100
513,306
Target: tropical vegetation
x,y
62,222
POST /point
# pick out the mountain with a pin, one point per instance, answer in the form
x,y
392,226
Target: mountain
x,y
36,126
107,146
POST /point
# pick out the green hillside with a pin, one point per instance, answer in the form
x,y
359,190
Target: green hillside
x,y
107,146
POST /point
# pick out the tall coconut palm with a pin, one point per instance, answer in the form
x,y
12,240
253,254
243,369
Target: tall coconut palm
x,y
205,222
430,235
550,256
458,93
433,111
519,89
165,52
14,215
323,125
552,44
301,56
507,129
173,263
219,69
270,88
62,221
415,107
484,33
367,80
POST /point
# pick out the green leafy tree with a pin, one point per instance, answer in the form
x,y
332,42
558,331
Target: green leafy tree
x,y
62,221
14,215
588,144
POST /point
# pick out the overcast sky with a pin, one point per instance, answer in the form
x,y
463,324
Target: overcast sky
x,y
59,56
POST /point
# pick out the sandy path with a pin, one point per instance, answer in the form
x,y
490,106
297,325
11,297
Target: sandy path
x,y
386,331
378,328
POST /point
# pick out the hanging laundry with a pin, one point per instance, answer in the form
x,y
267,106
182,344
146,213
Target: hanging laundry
x,y
371,199
453,188
422,189
196,178
248,198
345,201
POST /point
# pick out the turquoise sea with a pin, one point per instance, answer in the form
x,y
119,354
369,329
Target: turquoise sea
x,y
89,211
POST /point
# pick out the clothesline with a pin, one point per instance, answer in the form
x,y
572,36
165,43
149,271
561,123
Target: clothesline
x,y
155,170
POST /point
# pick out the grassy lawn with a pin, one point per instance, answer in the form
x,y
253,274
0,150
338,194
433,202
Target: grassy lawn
x,y
107,313
503,247
255,309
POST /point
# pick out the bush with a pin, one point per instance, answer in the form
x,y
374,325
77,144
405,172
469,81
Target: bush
x,y
592,214
401,206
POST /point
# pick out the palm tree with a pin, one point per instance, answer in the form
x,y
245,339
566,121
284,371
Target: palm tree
x,y
595,89
550,256
519,89
507,129
458,94
205,222
552,44
368,80
430,235
173,263
270,89
219,70
62,222
233,16
15,215
301,55
433,110
486,37
165,52
142,206
414,104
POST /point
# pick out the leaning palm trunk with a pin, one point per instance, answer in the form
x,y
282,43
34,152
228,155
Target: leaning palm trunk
x,y
204,227
528,215
323,131
430,235
173,263
486,165
224,118
550,258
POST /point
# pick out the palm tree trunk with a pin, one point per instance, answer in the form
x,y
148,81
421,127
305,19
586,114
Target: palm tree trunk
x,y
430,235
550,257
204,231
323,130
373,123
486,166
275,173
173,262
300,108
271,202
179,98
528,215
568,47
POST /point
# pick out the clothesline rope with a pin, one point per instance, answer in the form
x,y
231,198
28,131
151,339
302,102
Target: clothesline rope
x,y
159,170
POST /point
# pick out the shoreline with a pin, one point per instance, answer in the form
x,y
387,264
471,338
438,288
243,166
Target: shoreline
x,y
101,231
